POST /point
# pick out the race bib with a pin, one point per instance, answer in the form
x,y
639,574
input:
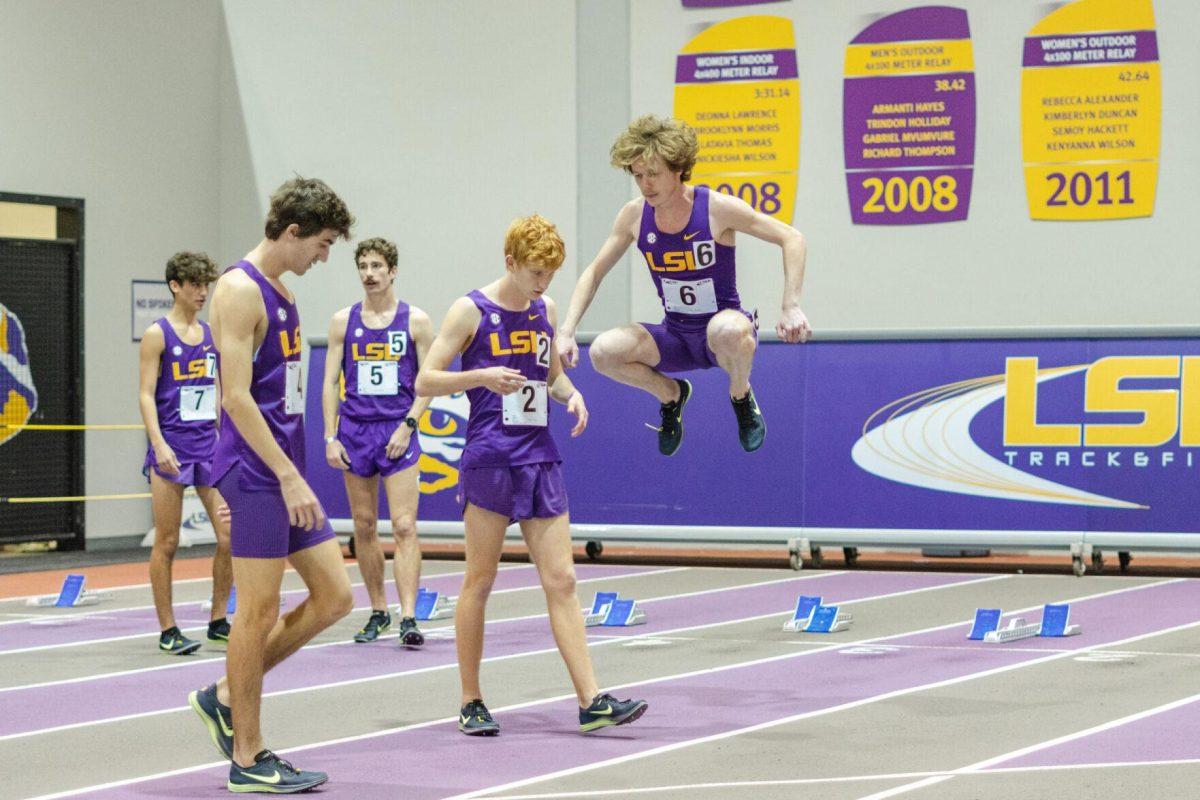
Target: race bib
x,y
293,389
527,406
397,343
378,377
197,403
689,297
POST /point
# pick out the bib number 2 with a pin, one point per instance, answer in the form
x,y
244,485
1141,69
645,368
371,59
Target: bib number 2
x,y
527,406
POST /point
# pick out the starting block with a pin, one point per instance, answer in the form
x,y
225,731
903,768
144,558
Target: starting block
x,y
434,605
71,595
610,611
1055,623
812,617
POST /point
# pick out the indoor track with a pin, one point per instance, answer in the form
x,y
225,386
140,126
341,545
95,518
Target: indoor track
x,y
899,705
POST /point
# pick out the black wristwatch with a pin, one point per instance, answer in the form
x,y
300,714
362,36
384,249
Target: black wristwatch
x,y
410,422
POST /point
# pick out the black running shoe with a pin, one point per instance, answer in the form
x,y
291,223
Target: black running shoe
x,y
475,720
607,710
752,428
670,433
376,626
218,630
410,634
173,642
273,775
215,716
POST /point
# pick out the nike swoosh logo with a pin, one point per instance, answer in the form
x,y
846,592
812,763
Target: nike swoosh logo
x,y
221,722
464,720
688,236
534,316
208,347
274,778
605,712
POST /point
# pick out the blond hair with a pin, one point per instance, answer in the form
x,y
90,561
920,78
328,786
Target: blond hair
x,y
672,140
534,241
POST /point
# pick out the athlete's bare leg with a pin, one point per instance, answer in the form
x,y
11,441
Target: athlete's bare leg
x,y
222,565
167,503
403,493
628,355
363,494
731,338
484,541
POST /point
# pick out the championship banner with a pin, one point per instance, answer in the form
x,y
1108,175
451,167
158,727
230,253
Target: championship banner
x,y
1091,112
724,3
909,118
737,85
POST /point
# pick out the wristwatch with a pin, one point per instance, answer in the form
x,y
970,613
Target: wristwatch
x,y
410,422
330,439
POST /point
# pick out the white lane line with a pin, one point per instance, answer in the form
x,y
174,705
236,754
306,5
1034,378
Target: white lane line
x,y
1070,737
531,703
885,776
178,663
844,706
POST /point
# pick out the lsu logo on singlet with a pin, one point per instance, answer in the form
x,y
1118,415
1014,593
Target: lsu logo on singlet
x,y
535,343
18,396
702,256
392,350
290,345
197,368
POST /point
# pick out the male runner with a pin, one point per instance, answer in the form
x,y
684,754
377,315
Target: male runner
x,y
377,345
686,236
178,400
259,468
510,469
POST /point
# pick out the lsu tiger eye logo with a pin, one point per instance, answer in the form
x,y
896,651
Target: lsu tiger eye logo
x,y
18,396
290,345
702,256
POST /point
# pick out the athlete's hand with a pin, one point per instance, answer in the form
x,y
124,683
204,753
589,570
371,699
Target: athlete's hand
x,y
398,443
575,406
167,462
568,350
304,509
501,380
336,456
793,326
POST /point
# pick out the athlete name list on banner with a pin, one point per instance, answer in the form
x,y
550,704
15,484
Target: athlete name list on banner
x,y
1091,112
736,84
909,118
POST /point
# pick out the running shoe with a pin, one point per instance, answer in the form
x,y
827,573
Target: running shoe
x,y
215,716
670,432
376,626
173,642
273,775
475,720
410,634
218,630
752,428
607,710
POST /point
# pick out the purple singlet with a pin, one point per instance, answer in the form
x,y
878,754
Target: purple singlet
x,y
695,276
277,388
186,400
510,430
380,367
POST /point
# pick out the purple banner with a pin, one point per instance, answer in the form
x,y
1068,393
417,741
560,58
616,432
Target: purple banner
x,y
978,435
907,121
928,23
749,65
1072,50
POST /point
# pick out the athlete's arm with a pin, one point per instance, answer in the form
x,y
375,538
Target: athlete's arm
x,y
237,310
420,327
335,452
732,213
618,241
435,380
561,387
149,363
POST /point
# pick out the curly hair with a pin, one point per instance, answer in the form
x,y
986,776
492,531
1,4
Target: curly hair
x,y
191,267
378,245
311,204
672,140
534,241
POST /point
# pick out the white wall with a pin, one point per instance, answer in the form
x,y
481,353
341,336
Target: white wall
x,y
998,268
114,102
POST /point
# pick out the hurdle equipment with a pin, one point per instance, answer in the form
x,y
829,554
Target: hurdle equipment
x,y
610,611
1055,623
433,605
71,595
812,617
